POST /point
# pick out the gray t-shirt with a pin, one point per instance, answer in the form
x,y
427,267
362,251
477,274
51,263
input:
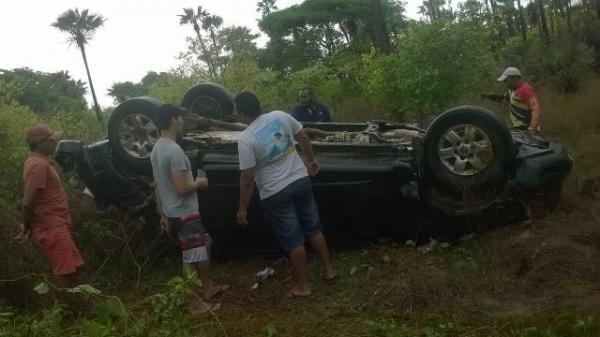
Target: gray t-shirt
x,y
268,144
167,157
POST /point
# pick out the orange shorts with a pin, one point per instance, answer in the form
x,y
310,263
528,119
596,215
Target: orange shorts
x,y
60,251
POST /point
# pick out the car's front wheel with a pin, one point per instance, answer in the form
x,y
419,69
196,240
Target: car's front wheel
x,y
132,133
467,152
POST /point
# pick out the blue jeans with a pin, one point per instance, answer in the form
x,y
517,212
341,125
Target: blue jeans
x,y
293,214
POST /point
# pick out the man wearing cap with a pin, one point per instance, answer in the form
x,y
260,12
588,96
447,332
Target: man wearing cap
x,y
177,202
45,208
525,112
267,156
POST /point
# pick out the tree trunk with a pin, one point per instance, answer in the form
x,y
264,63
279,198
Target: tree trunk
x,y
87,70
544,33
522,22
552,15
568,8
206,55
382,38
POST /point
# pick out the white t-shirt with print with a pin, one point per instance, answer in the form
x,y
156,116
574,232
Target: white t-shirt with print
x,y
268,144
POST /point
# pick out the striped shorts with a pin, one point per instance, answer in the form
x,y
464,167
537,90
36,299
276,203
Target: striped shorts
x,y
192,237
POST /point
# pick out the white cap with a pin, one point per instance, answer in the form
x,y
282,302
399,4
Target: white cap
x,y
510,71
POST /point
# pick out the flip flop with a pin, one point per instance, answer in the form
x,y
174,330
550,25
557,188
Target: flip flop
x,y
291,294
209,308
221,289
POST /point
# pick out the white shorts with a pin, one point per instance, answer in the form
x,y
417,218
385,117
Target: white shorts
x,y
193,255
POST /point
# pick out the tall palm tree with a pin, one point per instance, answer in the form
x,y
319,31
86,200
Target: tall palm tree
x,y
195,18
266,7
81,27
523,24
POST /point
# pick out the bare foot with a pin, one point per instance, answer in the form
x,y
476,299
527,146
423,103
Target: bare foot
x,y
298,292
201,307
330,275
215,290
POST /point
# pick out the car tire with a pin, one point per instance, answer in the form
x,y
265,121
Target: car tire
x,y
466,157
210,100
132,133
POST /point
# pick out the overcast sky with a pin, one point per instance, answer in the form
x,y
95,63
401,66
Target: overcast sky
x,y
138,36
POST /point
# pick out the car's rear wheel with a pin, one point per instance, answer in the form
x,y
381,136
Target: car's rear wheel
x,y
210,100
467,152
132,133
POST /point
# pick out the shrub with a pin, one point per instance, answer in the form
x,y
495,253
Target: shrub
x,y
433,66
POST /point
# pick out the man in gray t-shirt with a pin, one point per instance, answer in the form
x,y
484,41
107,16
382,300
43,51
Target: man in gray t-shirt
x,y
267,156
177,201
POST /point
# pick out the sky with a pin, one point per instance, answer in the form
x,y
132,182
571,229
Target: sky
x,y
138,36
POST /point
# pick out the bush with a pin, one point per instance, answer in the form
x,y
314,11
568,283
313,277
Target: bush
x,y
433,66
565,66
14,120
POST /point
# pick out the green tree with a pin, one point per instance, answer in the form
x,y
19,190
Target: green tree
x,y
379,28
81,27
301,35
433,66
122,91
434,10
44,93
266,7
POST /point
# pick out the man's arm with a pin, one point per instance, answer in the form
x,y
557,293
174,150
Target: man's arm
x,y
536,114
246,190
183,187
304,142
499,98
30,196
164,221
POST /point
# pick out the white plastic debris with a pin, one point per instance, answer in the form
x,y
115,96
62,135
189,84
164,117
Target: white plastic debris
x,y
262,276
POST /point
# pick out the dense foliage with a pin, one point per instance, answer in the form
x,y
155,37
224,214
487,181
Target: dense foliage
x,y
339,48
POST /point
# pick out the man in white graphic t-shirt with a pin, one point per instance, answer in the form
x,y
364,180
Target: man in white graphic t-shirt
x,y
268,156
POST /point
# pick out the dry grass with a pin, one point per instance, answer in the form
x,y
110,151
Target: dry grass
x,y
544,273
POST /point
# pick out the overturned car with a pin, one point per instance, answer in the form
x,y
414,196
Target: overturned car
x,y
372,173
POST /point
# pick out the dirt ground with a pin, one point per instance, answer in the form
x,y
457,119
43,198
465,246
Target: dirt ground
x,y
530,278
525,278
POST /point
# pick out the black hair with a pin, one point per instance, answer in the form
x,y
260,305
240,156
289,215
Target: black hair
x,y
309,89
248,104
165,114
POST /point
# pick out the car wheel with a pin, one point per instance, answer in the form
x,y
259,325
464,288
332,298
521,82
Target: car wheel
x,y
210,100
132,133
467,152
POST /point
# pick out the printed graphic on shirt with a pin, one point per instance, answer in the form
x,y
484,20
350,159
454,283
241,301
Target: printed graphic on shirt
x,y
276,141
519,109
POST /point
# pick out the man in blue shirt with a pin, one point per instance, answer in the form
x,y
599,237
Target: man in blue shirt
x,y
309,110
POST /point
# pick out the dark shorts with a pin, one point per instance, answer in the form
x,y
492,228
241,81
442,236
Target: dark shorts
x,y
192,237
293,214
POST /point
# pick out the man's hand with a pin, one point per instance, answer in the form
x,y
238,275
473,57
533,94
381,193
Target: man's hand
x,y
533,130
201,183
24,235
165,225
313,168
242,217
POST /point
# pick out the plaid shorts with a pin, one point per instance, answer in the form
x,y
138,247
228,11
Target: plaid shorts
x,y
192,237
